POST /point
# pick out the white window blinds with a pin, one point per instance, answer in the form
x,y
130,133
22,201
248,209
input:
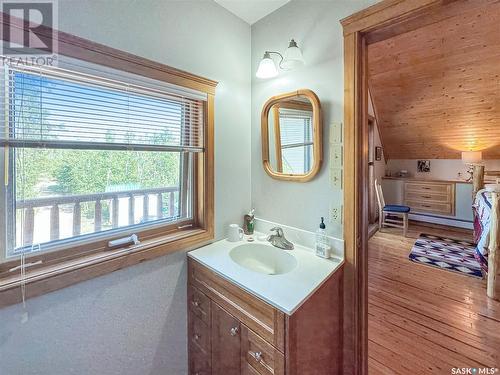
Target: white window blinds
x,y
58,108
295,127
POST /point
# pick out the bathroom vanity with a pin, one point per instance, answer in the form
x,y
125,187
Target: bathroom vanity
x,y
256,309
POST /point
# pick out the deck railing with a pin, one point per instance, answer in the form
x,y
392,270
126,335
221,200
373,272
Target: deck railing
x,y
54,203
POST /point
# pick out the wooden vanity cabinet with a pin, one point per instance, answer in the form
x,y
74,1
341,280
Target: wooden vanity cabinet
x,y
233,332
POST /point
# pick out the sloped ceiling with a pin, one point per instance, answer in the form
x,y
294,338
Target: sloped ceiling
x,y
436,90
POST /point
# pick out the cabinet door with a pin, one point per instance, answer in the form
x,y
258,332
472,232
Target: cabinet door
x,y
225,342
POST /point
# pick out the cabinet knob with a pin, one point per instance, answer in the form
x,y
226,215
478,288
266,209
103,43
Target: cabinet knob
x,y
256,355
234,331
196,336
196,303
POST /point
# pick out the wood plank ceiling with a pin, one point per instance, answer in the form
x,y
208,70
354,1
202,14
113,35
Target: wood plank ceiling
x,y
436,90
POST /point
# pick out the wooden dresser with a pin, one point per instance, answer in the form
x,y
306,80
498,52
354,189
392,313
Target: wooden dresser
x,y
430,197
232,332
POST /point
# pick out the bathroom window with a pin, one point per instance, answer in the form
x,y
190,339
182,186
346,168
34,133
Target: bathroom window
x,y
88,157
296,140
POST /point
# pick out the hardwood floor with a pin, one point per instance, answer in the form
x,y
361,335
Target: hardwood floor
x,y
423,320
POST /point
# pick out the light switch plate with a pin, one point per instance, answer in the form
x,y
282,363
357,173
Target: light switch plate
x,y
335,132
336,156
336,177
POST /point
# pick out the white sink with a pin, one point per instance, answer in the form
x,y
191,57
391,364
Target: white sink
x,y
263,259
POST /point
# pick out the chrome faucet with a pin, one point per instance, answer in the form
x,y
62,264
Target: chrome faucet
x,y
279,240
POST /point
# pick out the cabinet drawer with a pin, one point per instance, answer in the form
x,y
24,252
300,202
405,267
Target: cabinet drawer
x,y
429,187
262,318
258,355
427,197
199,334
199,362
199,304
432,207
226,342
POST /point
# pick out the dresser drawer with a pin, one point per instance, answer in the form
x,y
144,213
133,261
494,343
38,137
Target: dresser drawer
x,y
427,197
199,304
432,207
259,316
258,357
429,187
199,334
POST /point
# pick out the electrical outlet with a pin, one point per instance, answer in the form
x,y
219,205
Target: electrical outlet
x,y
336,214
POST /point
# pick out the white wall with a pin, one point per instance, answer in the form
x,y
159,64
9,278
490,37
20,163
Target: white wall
x,y
316,28
129,322
134,321
442,169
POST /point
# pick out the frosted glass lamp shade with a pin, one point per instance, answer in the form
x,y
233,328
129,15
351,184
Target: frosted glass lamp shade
x,y
267,68
472,157
293,57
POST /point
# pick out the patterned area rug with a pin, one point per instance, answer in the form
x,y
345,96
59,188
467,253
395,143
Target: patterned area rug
x,y
446,253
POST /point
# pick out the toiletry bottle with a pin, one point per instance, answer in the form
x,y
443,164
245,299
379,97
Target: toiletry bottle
x,y
322,244
249,222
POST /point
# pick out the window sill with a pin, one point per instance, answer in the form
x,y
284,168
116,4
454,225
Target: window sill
x,y
47,279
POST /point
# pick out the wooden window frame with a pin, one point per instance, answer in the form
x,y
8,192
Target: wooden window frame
x,y
376,23
82,262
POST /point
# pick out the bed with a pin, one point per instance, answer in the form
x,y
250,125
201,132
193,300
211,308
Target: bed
x,y
486,208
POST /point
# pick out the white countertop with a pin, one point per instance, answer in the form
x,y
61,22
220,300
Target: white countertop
x,y
286,291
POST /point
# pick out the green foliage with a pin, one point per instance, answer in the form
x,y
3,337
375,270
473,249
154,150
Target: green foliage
x,y
40,171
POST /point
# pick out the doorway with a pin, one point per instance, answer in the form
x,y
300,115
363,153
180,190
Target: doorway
x,y
376,23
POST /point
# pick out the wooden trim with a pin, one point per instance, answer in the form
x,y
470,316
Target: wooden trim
x,y
317,136
389,13
353,180
376,118
277,139
372,209
207,184
294,104
83,49
51,258
69,273
82,262
394,17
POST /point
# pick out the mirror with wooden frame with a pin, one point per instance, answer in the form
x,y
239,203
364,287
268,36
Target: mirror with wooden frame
x,y
292,141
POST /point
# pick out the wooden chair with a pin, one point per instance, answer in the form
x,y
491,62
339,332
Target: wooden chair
x,y
385,210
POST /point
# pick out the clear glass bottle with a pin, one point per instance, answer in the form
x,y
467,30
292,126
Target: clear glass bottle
x,y
322,243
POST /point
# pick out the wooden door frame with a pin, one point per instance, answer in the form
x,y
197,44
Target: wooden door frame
x,y
378,22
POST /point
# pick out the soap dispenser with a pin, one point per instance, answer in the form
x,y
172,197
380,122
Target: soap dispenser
x,y
322,244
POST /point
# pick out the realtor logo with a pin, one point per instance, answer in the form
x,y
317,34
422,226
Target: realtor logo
x,y
28,27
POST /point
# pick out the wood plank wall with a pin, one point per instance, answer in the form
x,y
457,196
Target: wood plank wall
x,y
437,88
